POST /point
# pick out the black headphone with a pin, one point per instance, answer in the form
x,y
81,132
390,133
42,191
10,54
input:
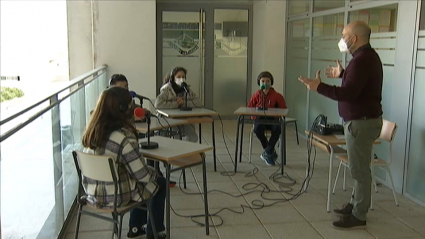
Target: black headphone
x,y
265,74
122,106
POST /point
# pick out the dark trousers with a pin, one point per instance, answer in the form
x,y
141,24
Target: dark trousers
x,y
139,217
268,145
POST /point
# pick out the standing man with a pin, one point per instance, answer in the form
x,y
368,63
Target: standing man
x,y
359,105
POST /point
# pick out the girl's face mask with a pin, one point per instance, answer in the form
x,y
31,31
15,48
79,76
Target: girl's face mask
x,y
179,81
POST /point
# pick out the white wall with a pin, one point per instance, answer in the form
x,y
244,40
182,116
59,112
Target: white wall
x,y
79,37
269,41
125,39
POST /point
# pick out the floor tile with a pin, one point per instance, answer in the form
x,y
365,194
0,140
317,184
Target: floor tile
x,y
327,231
292,230
243,231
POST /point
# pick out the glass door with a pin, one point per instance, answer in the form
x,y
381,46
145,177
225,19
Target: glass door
x,y
183,45
231,33
212,41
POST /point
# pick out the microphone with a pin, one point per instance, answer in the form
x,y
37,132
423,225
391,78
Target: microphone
x,y
185,87
140,112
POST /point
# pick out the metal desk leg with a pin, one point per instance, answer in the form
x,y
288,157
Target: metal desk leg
x,y
204,175
283,144
237,142
241,145
200,134
328,205
213,139
184,170
167,201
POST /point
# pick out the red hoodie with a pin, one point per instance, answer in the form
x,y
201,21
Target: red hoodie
x,y
272,100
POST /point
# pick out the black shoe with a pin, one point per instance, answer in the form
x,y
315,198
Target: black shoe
x,y
136,232
345,210
160,235
349,222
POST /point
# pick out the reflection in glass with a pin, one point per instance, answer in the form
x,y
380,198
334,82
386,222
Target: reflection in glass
x,y
297,7
321,5
180,46
330,25
380,19
296,65
231,33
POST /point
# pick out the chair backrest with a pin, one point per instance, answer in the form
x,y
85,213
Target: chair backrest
x,y
96,167
388,130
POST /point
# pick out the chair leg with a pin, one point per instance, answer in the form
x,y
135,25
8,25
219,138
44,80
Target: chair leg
x,y
392,185
152,220
345,179
77,227
120,226
373,178
296,132
250,147
184,178
115,229
336,178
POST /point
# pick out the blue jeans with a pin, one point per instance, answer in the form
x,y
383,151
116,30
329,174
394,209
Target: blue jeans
x,y
268,145
139,217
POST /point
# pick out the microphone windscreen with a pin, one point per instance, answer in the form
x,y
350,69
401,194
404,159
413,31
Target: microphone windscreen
x,y
263,87
133,94
139,112
184,85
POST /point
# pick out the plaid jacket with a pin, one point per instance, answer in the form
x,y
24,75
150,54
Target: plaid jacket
x,y
136,181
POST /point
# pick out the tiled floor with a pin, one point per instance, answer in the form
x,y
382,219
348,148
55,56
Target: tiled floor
x,y
303,217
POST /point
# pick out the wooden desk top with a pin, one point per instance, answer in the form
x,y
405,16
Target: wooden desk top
x,y
251,111
195,112
331,140
157,124
172,149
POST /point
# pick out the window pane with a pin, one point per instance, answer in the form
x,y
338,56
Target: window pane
x,y
380,19
330,25
296,7
297,64
320,5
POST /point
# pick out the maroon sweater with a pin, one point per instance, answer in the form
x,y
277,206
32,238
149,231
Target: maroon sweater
x,y
360,94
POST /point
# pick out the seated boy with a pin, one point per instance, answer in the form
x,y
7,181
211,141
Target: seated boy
x,y
272,99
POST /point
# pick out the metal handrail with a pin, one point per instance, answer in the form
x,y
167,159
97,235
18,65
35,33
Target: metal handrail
x,y
79,81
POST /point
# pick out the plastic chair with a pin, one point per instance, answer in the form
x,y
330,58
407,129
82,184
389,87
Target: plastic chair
x,y
388,132
102,168
268,134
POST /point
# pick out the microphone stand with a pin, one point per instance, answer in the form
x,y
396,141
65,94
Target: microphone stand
x,y
185,108
149,144
263,105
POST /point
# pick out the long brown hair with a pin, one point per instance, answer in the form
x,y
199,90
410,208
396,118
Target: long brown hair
x,y
170,77
112,112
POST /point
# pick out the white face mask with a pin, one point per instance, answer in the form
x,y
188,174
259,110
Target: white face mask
x,y
342,45
179,81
